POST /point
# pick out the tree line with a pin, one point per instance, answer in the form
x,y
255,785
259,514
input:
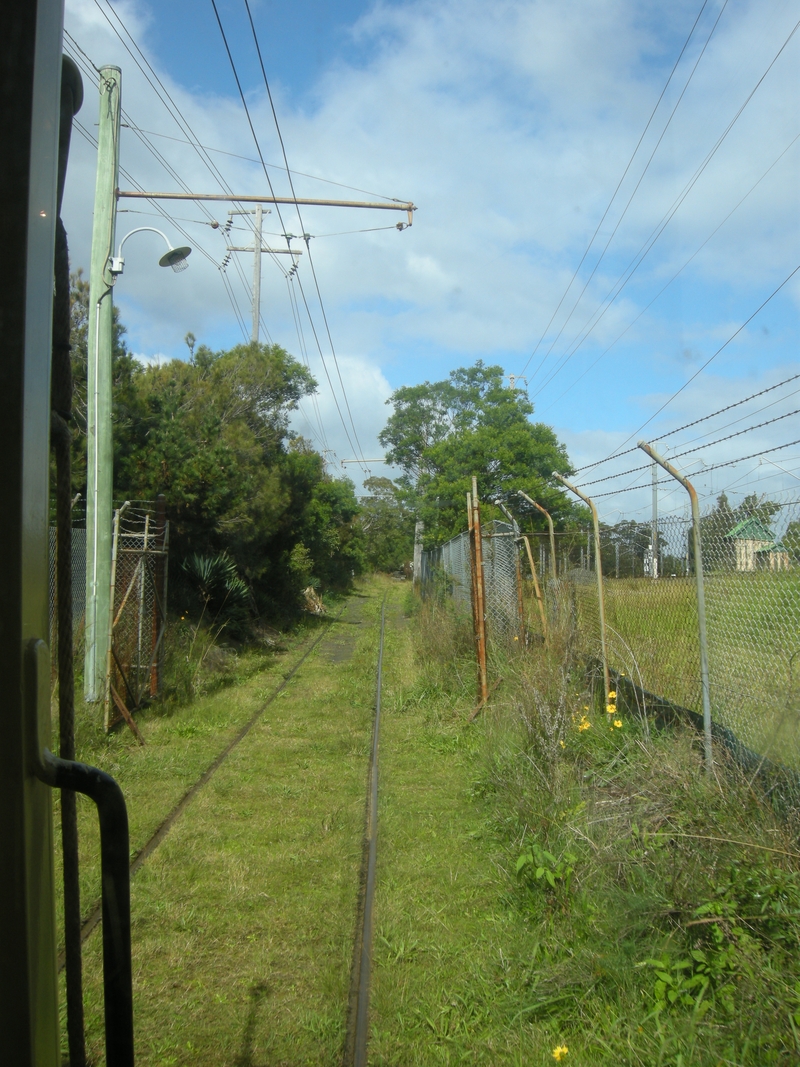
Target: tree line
x,y
254,516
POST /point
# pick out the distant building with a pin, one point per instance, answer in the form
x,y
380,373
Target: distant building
x,y
756,548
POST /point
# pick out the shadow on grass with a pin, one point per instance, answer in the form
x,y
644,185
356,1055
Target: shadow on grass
x,y
258,993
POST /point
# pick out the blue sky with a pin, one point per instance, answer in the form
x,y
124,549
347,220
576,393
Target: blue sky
x,y
510,125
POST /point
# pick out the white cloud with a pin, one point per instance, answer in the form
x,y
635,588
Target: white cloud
x,y
509,124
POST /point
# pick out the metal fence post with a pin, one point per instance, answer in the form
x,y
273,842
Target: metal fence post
x,y
701,597
599,569
480,599
537,590
550,528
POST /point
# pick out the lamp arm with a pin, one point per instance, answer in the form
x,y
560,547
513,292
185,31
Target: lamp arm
x,y
139,229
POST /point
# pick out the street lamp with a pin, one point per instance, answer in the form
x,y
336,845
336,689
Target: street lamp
x,y
99,473
173,257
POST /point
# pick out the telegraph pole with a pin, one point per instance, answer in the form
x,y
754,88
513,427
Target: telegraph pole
x,y
99,467
257,273
257,250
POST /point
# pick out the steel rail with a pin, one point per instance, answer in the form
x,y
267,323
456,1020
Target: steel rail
x,y
358,1028
94,916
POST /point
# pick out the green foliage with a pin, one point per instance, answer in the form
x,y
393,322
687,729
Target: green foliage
x,y
443,433
212,434
388,525
223,594
537,864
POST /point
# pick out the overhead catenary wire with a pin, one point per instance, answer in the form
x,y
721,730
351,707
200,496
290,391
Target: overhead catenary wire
x,y
360,451
277,166
269,183
614,194
623,279
84,60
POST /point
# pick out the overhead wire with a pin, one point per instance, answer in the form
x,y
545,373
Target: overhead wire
x,y
302,226
591,323
673,278
269,182
83,59
644,172
277,166
163,94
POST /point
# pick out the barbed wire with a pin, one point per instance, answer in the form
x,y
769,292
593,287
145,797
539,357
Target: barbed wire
x,y
707,470
697,448
688,425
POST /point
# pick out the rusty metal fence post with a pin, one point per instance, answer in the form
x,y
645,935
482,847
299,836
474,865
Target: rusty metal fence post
x,y
601,606
701,597
550,528
480,598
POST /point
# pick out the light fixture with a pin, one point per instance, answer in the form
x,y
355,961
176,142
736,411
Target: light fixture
x,y
173,257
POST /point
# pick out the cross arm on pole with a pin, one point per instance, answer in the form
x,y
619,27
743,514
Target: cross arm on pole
x,y
378,205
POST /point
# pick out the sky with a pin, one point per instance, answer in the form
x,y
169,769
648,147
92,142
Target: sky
x,y
606,191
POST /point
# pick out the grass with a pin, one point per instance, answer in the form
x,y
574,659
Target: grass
x,y
540,886
604,895
753,623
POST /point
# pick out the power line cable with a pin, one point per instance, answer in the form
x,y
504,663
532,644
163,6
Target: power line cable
x,y
591,323
614,194
300,219
644,172
276,166
697,251
269,182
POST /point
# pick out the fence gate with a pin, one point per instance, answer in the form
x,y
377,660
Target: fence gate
x,y
140,550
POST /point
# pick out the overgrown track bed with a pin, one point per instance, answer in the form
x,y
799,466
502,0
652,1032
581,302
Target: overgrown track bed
x,y
243,914
94,915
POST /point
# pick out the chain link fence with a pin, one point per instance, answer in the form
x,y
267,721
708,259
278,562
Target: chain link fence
x,y
139,582
448,570
751,574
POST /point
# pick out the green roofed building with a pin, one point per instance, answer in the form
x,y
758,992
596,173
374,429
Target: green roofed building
x,y
756,548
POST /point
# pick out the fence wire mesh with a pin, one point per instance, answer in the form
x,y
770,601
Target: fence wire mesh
x,y
78,582
751,575
448,569
139,609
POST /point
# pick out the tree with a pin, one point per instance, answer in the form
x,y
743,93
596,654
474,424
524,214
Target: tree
x,y
387,524
443,433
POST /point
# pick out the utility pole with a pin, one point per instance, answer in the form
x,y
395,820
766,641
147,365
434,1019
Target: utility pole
x,y
257,249
99,472
256,273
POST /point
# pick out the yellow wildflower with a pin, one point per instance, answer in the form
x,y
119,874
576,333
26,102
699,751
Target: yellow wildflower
x,y
562,744
611,709
584,724
612,695
559,1052
585,707
618,723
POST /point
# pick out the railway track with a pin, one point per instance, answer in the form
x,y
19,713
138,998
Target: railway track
x,y
357,1008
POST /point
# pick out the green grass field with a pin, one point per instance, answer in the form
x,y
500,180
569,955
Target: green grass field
x,y
753,623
